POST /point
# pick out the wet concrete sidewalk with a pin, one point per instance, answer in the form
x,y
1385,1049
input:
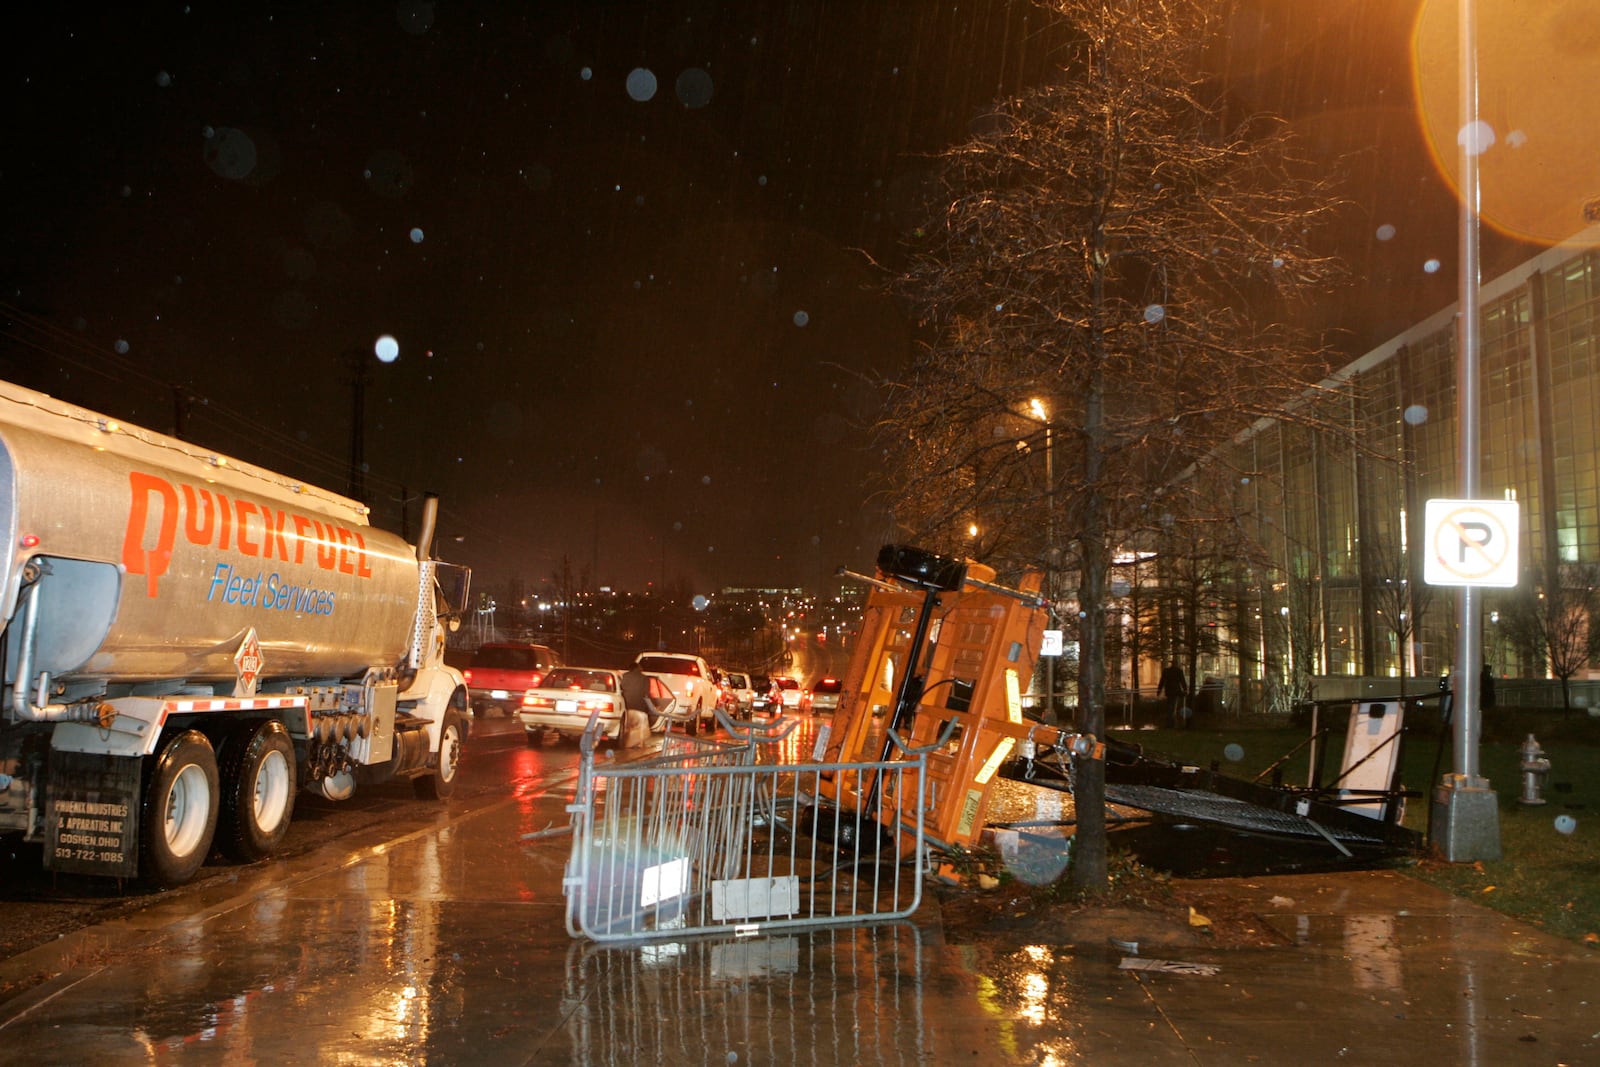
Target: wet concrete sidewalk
x,y
449,947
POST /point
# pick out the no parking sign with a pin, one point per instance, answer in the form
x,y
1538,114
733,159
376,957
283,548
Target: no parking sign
x,y
1471,542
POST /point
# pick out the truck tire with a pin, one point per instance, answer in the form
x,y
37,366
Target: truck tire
x,y
258,786
178,812
441,782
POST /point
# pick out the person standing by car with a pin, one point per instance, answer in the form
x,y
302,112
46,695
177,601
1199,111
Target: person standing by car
x,y
635,688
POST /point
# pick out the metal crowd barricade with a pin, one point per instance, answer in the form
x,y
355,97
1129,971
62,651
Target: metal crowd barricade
x,y
707,837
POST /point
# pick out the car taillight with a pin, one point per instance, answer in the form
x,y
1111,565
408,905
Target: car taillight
x,y
537,678
466,675
534,700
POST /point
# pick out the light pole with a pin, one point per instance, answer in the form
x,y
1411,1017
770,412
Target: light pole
x,y
1036,406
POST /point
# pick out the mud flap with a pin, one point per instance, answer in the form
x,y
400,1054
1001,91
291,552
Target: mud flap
x,y
91,815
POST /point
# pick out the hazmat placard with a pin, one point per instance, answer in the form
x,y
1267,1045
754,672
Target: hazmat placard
x,y
1471,542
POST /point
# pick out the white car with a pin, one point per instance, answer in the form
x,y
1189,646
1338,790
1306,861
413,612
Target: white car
x,y
689,679
790,693
738,682
567,696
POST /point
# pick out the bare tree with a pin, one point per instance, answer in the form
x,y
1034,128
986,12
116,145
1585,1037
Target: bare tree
x,y
1556,622
1389,572
1123,247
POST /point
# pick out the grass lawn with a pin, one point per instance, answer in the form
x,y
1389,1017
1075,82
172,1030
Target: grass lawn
x,y
1545,876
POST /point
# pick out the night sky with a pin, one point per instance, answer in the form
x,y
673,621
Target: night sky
x,y
631,252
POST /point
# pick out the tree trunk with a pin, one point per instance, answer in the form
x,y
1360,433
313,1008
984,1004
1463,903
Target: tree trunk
x,y
1089,861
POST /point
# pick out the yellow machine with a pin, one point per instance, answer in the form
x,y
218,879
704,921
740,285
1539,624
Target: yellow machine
x,y
942,660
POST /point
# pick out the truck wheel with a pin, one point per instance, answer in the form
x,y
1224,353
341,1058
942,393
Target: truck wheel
x,y
258,784
442,782
178,813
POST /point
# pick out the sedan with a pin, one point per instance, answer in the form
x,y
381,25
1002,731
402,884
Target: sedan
x,y
790,693
567,697
824,696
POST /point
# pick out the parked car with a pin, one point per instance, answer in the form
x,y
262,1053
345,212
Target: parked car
x,y
568,696
502,671
823,697
689,679
738,683
790,693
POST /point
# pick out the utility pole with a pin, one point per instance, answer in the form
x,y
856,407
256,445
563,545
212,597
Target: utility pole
x,y
358,425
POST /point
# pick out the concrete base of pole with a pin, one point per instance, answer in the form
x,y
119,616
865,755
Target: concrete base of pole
x,y
1464,822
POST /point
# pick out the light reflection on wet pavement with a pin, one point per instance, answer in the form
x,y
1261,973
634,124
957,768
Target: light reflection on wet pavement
x,y
449,947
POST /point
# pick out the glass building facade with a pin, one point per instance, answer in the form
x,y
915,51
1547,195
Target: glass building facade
x,y
1341,594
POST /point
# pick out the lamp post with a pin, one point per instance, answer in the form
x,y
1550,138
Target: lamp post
x,y
1038,410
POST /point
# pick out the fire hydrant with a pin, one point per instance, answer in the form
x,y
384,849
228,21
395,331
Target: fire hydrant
x,y
1534,768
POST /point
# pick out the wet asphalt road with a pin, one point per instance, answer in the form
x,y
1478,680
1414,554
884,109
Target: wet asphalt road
x,y
397,932
37,906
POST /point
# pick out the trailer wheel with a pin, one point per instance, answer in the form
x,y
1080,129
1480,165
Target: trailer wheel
x,y
442,782
258,785
178,813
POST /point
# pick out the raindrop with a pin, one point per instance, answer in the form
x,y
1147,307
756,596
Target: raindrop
x,y
1234,752
677,527
641,84
230,153
1154,313
1245,480
416,235
705,479
121,346
1476,137
586,73
801,318
387,349
163,79
1277,261
700,602
1517,138
1416,414
415,17
694,88
1431,267
1566,824
761,180
1386,232
999,307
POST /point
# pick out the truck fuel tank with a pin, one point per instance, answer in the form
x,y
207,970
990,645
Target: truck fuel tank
x,y
152,559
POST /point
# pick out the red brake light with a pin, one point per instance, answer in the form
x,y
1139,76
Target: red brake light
x,y
466,675
538,676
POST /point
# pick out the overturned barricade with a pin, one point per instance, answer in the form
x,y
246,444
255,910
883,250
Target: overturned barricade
x,y
1357,812
713,836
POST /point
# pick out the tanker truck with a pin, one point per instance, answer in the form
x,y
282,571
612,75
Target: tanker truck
x,y
189,640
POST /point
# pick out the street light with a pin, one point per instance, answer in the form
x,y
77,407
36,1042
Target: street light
x,y
1041,413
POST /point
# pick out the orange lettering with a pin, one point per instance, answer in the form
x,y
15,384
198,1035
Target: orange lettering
x,y
151,562
275,533
227,521
302,525
244,509
364,563
327,552
197,531
345,566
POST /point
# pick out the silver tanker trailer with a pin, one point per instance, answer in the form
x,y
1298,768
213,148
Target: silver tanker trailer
x,y
189,640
